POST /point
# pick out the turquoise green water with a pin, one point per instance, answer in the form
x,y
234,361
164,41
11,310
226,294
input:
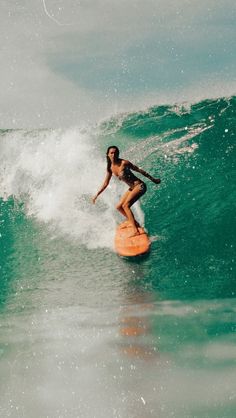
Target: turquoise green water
x,y
85,333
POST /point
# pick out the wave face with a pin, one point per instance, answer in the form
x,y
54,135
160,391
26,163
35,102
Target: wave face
x,y
192,148
49,177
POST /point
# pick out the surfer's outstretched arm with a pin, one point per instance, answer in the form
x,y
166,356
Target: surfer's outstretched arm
x,y
104,186
144,173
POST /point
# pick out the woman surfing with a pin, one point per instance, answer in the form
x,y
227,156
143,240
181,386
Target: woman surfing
x,y
122,169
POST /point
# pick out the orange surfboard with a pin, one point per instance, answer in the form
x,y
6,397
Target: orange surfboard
x,y
128,246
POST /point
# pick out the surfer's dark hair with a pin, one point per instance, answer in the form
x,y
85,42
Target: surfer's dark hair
x,y
116,155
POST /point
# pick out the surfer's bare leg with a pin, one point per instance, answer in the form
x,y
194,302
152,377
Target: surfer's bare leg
x,y
132,197
119,207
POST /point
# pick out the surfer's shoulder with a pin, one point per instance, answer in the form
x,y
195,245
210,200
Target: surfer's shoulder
x,y
126,163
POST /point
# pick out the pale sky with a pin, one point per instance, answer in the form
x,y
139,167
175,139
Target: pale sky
x,y
70,62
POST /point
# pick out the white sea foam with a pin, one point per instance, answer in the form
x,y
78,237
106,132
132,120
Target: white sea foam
x,y
56,173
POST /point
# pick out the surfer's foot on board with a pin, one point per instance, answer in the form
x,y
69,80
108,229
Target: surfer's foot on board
x,y
125,224
135,233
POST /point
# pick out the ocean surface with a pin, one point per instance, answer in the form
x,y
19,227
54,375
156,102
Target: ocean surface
x,y
87,334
